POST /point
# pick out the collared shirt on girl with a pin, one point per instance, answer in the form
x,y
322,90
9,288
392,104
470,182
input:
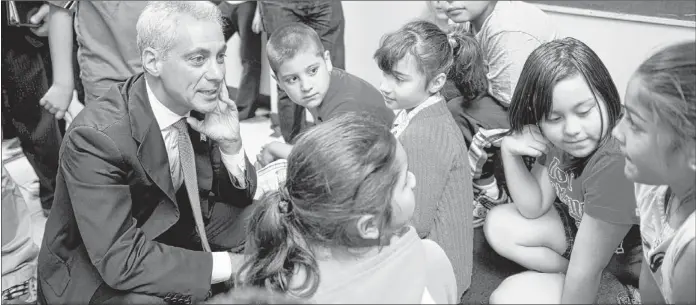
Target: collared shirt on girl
x,y
437,157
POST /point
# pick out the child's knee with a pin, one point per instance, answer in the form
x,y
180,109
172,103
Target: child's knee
x,y
529,287
500,225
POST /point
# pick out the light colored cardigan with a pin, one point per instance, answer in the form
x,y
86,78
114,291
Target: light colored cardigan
x,y
437,156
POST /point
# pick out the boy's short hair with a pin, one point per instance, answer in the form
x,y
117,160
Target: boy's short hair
x,y
286,41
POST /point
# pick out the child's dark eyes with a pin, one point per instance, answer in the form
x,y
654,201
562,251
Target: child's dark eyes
x,y
313,70
291,80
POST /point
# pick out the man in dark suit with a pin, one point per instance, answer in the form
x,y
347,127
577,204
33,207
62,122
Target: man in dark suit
x,y
145,204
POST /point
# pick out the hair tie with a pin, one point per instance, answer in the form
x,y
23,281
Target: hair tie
x,y
285,206
452,41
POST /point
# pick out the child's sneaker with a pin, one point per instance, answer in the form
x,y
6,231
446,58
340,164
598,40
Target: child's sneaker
x,y
483,203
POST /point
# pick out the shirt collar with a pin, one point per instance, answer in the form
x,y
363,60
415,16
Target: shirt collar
x,y
164,117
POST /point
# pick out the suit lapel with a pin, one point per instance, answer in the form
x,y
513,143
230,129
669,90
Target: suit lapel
x,y
151,151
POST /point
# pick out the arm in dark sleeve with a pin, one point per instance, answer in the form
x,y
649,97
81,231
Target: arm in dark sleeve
x,y
228,190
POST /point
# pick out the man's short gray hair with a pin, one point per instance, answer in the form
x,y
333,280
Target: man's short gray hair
x,y
157,24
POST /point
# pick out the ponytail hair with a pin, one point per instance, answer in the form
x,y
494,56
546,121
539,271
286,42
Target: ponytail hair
x,y
279,248
468,71
431,48
337,172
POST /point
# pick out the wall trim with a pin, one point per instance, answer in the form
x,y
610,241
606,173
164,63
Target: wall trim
x,y
617,16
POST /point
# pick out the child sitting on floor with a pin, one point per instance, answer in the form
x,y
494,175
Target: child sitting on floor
x,y
482,120
507,32
658,138
415,61
587,247
338,232
303,70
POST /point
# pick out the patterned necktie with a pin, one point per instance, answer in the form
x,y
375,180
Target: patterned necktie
x,y
188,168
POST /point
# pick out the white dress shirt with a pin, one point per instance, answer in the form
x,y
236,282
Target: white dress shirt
x,y
236,165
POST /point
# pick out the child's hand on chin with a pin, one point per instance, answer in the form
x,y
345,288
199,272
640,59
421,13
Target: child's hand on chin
x,y
528,142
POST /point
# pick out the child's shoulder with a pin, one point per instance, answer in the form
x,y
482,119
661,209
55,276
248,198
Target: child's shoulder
x,y
344,81
519,16
348,88
435,131
609,153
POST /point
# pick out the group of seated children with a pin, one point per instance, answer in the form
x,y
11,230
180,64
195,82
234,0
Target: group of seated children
x,y
377,208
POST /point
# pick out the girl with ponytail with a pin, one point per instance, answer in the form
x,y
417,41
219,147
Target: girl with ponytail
x,y
416,61
338,231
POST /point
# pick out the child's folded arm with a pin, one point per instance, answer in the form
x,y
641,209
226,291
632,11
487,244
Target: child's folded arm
x,y
531,192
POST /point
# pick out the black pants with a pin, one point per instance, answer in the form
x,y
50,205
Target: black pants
x,y
226,231
26,76
238,19
326,18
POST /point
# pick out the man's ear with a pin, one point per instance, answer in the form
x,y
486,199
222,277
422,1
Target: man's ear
x,y
152,61
437,83
327,59
275,78
367,227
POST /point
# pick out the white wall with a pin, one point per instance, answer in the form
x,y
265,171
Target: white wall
x,y
621,44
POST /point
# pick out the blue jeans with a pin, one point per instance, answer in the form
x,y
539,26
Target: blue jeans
x,y
326,18
238,19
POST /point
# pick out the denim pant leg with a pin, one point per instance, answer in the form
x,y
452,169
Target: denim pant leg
x,y
274,15
332,33
250,51
238,19
19,252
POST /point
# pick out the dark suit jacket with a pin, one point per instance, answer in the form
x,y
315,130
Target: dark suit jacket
x,y
114,197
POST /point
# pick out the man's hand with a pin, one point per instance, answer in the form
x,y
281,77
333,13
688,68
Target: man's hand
x,y
221,124
57,99
41,16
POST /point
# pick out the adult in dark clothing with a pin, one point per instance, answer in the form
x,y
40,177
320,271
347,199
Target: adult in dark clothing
x,y
145,205
26,76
